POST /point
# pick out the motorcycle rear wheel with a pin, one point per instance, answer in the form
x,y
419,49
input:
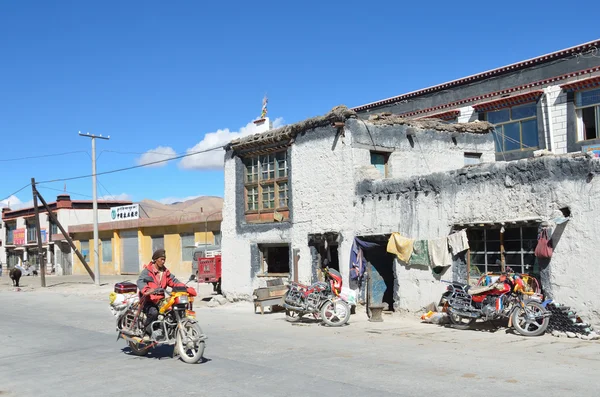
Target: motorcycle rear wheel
x,y
190,355
523,322
335,314
460,322
138,350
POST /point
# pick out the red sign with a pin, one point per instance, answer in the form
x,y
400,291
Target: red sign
x,y
19,236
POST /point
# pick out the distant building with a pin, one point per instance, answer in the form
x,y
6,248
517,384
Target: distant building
x,y
549,102
19,233
127,245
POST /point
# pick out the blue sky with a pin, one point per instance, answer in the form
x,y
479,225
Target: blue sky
x,y
158,76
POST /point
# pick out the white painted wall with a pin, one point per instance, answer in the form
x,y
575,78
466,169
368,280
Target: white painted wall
x,y
323,181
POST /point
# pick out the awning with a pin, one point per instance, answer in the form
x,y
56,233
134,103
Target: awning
x,y
449,115
513,100
581,84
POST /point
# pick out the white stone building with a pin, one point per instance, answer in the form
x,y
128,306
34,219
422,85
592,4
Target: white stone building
x,y
290,196
20,233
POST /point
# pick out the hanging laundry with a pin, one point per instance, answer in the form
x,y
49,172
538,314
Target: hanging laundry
x,y
438,252
420,254
400,246
458,242
358,263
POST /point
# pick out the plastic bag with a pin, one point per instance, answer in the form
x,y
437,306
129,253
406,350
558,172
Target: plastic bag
x,y
544,245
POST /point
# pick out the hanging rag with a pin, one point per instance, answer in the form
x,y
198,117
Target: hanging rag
x,y
400,246
438,253
358,263
420,254
458,242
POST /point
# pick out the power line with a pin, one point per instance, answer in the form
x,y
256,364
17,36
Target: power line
x,y
12,194
42,156
132,167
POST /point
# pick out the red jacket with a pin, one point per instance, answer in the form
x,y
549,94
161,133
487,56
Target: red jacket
x,y
149,279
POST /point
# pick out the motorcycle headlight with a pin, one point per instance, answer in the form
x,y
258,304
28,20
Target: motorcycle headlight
x,y
183,300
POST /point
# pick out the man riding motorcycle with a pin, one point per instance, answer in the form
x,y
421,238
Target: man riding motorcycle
x,y
156,276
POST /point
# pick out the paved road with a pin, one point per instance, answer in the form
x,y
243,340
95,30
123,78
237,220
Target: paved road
x,y
53,344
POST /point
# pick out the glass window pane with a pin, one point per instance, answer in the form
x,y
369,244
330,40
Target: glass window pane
x,y
512,136
283,194
106,250
475,234
512,233
588,117
523,112
282,168
268,196
529,131
498,139
476,246
512,259
493,246
586,98
187,246
500,116
512,245
530,232
477,259
493,234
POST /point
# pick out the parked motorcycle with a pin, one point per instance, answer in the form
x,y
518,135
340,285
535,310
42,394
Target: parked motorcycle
x,y
504,299
322,300
176,323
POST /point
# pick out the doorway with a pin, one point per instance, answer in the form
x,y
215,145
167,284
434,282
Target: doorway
x,y
382,282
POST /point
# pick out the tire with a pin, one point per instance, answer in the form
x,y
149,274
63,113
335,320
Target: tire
x,y
335,314
293,316
460,322
530,326
137,350
190,328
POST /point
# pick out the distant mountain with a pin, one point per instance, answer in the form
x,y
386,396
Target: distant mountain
x,y
205,205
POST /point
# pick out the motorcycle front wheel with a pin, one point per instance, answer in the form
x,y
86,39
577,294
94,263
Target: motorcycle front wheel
x,y
530,321
188,345
335,314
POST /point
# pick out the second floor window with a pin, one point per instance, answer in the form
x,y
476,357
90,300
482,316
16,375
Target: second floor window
x,y
266,182
516,128
587,105
31,233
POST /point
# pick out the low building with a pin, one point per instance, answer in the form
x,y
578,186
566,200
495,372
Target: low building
x,y
290,193
301,194
549,102
20,232
125,246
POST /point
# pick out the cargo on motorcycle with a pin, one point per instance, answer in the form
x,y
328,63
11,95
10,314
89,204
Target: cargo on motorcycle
x,y
505,298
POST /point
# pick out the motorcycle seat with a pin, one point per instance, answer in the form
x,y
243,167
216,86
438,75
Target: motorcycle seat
x,y
301,286
481,289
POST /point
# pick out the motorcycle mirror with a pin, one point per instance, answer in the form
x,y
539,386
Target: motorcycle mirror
x,y
192,277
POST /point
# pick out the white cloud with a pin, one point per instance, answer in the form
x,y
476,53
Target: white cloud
x,y
117,197
14,203
215,158
171,200
160,153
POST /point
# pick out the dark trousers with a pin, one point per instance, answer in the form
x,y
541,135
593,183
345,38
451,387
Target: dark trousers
x,y
151,315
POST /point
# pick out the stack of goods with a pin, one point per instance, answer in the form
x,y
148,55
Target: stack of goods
x,y
565,322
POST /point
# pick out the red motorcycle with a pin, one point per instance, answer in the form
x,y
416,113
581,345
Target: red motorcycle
x,y
502,299
321,299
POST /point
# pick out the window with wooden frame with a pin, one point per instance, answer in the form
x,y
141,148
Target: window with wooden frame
x,y
266,185
490,247
275,259
587,108
379,160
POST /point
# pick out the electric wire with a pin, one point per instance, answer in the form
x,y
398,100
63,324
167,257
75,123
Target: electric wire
x,y
42,156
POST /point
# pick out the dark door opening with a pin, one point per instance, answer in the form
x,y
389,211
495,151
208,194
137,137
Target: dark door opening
x,y
380,266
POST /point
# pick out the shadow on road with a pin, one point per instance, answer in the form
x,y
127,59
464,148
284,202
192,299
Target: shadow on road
x,y
160,353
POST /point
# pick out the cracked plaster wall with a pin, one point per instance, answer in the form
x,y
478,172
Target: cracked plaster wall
x,y
427,207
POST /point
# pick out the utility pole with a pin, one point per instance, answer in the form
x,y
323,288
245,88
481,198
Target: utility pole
x,y
95,204
41,259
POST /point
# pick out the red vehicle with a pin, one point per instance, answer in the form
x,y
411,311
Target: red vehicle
x,y
207,269
505,298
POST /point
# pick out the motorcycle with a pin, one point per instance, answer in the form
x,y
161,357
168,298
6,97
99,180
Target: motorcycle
x,y
502,299
176,323
321,299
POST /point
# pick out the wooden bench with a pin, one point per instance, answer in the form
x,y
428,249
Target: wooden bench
x,y
269,297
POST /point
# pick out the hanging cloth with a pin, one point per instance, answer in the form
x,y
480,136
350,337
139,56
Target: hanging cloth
x,y
438,252
400,246
358,263
458,242
420,254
